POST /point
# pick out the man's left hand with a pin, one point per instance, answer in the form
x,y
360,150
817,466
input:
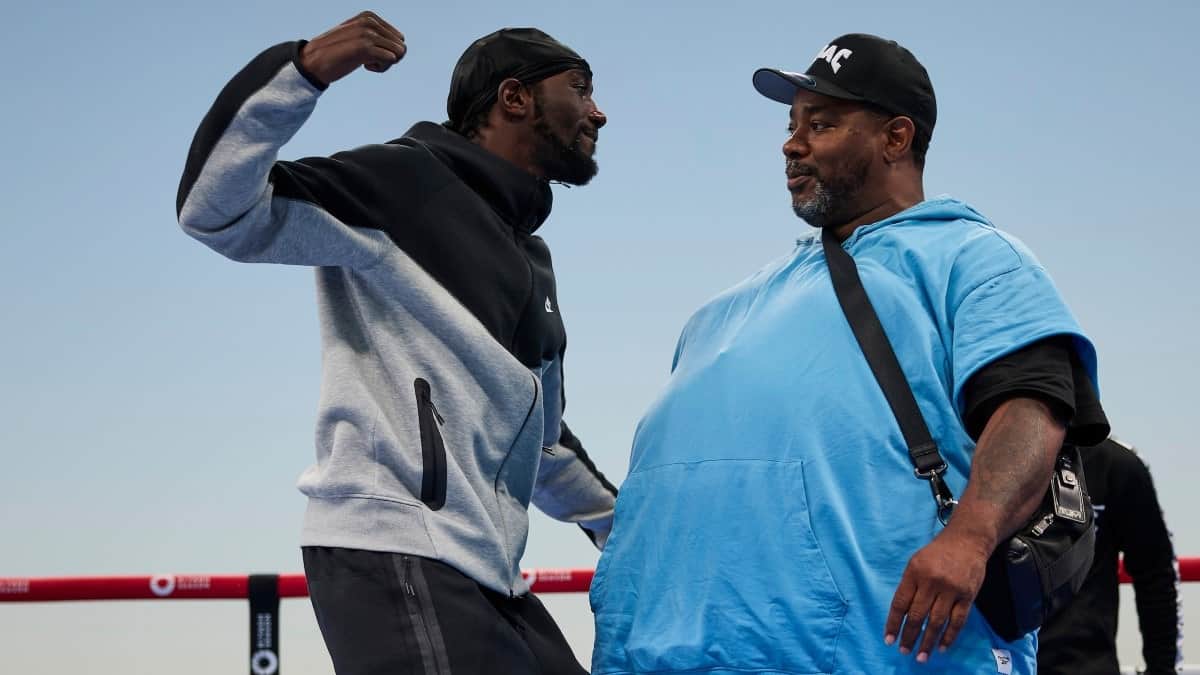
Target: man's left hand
x,y
939,584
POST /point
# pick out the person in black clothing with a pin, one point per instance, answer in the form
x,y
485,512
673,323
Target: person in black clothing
x,y
441,413
1081,640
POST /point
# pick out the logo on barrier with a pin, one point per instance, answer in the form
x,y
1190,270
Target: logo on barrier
x,y
264,662
546,576
162,585
194,582
263,630
14,586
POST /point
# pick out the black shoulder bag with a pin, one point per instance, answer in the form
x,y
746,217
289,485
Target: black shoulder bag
x,y
1042,567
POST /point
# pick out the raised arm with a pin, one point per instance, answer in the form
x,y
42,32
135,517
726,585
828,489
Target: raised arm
x,y
237,199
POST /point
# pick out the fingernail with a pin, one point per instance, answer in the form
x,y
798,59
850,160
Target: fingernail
x,y
942,649
889,639
922,657
905,651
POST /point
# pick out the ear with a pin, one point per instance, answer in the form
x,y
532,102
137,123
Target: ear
x,y
898,138
514,99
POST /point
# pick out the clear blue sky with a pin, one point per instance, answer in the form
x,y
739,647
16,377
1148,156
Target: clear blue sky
x,y
157,401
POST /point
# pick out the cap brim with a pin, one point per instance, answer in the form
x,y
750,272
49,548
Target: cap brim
x,y
782,85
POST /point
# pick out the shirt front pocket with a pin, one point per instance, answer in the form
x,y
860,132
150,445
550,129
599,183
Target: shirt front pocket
x,y
714,565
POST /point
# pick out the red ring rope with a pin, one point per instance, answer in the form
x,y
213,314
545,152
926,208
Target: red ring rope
x,y
233,586
215,586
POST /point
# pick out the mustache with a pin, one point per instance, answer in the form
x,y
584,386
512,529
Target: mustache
x,y
593,134
795,169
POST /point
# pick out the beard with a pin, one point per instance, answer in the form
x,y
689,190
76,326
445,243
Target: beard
x,y
833,199
566,163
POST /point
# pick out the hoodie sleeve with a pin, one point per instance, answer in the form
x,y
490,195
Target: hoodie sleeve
x,y
238,200
570,488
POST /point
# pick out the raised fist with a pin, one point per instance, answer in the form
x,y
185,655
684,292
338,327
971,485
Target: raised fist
x,y
364,40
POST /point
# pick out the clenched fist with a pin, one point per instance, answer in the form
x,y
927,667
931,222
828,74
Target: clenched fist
x,y
365,40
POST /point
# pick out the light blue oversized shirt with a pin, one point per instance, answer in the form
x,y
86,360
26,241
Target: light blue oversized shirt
x,y
771,506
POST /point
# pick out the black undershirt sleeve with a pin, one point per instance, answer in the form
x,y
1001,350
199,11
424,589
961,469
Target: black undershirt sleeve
x,y
1090,424
1048,370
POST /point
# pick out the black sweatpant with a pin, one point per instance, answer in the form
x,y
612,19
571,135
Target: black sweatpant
x,y
392,614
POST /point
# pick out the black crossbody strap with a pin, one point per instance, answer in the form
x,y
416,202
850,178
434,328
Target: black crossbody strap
x,y
873,341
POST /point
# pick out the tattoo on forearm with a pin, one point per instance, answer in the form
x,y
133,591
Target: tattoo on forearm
x,y
1013,462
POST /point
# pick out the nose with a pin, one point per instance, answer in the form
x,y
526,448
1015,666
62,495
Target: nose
x,y
597,118
796,144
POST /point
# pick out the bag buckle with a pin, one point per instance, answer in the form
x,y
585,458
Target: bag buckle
x,y
941,492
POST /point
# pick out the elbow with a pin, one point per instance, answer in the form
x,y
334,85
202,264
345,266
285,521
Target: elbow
x,y
196,221
231,238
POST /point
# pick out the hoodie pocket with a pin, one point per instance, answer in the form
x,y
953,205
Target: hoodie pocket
x,y
433,449
714,566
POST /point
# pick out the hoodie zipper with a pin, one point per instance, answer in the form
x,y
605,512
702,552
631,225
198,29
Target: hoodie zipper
x,y
433,448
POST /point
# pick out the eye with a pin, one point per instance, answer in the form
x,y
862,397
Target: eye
x,y
817,125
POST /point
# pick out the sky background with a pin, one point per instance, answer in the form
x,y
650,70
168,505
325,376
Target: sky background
x,y
157,401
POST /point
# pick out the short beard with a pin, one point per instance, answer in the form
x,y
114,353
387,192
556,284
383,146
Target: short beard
x,y
833,201
560,162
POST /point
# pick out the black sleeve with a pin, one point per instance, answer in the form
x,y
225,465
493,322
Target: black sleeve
x,y
1041,370
1142,535
1090,425
1047,370
360,187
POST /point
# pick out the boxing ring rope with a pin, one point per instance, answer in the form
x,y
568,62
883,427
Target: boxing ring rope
x,y
262,590
217,586
265,590
236,586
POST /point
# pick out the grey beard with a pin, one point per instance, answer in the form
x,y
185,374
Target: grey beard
x,y
816,209
833,201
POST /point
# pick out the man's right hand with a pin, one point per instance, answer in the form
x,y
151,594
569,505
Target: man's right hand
x,y
365,40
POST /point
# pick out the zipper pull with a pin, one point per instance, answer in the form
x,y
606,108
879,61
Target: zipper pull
x,y
1043,525
424,395
408,565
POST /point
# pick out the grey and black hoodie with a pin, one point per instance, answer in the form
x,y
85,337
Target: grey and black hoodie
x,y
441,401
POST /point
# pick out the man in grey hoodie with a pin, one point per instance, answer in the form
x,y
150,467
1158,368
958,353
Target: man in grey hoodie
x,y
441,404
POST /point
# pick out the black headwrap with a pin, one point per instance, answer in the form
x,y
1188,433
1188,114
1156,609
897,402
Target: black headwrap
x,y
526,54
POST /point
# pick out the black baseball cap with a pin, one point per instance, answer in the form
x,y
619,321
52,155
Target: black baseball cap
x,y
860,67
526,54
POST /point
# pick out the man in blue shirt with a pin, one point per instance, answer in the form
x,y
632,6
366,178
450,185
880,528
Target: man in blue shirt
x,y
771,521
